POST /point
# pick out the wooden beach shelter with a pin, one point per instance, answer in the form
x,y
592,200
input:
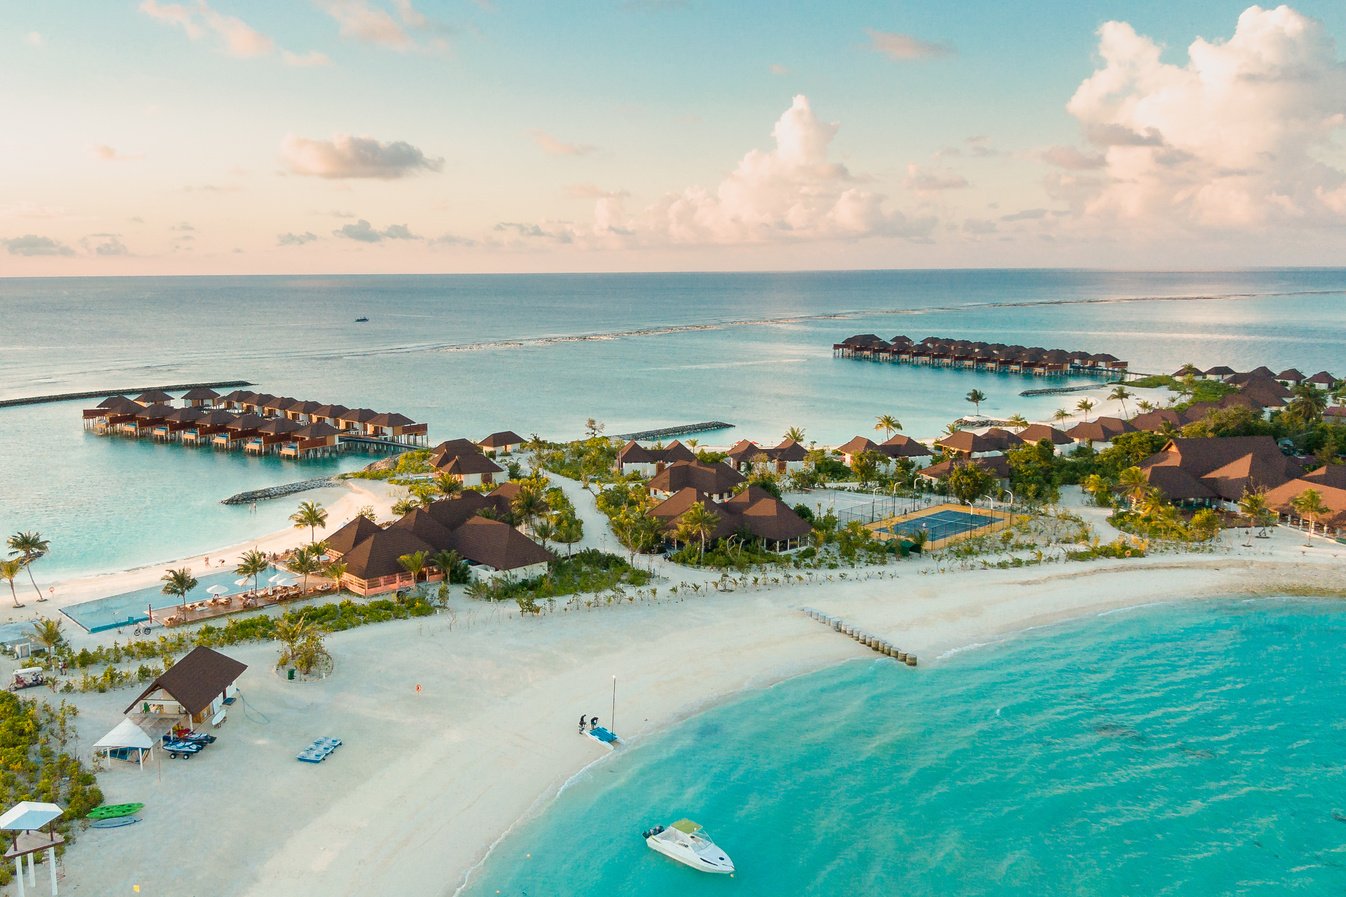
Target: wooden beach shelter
x,y
27,819
193,690
126,737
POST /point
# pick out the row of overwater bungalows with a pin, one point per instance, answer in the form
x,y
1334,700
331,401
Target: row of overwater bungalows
x,y
979,356
258,423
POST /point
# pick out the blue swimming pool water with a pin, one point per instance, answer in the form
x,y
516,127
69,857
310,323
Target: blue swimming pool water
x,y
942,524
128,609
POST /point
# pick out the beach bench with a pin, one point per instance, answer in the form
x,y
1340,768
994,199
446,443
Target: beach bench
x,y
319,750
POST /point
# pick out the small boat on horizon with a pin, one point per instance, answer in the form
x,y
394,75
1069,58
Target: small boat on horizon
x,y
362,320
689,844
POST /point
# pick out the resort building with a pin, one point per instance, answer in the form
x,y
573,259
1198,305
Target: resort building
x,y
787,457
1100,431
191,692
490,547
1290,378
1322,380
646,461
506,442
463,459
1035,433
753,513
978,356
966,443
996,464
898,446
1329,481
1219,470
718,481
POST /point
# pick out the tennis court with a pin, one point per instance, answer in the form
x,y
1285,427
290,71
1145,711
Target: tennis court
x,y
942,524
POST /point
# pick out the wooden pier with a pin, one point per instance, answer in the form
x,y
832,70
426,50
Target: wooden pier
x,y
680,430
873,642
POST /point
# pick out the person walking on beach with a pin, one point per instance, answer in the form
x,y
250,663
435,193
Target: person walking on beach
x,y
581,723
593,723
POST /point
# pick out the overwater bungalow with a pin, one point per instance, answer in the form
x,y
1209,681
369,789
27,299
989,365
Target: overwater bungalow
x,y
328,414
141,422
315,439
153,397
200,397
108,413
353,420
395,427
976,355
237,431
204,428
174,423
270,435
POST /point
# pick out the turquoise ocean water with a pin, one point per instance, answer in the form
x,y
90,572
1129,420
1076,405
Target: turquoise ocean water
x,y
1192,749
474,354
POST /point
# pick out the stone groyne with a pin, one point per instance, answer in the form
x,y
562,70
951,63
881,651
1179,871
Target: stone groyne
x,y
1056,390
280,491
101,393
682,430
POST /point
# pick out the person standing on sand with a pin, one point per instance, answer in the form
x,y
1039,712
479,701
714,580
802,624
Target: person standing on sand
x,y
582,719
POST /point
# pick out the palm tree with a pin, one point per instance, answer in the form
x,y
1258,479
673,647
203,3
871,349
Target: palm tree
x,y
253,563
334,571
9,569
976,397
1309,506
535,443
697,523
794,434
569,530
448,484
1095,486
311,515
1189,370
180,583
405,505
48,634
1134,485
1017,420
544,531
1121,394
1145,405
450,563
414,563
1085,405
1253,505
30,547
1305,408
888,424
1060,414
528,504
306,561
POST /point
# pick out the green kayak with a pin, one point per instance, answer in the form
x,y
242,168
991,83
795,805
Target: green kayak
x,y
113,811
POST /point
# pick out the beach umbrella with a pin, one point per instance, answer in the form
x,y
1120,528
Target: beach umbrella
x,y
218,590
275,580
243,582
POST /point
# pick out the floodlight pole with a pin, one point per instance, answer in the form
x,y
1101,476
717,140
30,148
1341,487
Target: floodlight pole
x,y
612,718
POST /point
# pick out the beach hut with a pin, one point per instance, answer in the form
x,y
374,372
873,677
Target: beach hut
x,y
27,819
201,396
716,480
126,740
191,691
505,441
316,438
153,397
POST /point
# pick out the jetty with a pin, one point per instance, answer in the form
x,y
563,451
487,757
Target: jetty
x,y
873,642
101,393
252,495
681,430
937,351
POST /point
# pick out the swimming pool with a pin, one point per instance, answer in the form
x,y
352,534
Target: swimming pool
x,y
129,608
941,523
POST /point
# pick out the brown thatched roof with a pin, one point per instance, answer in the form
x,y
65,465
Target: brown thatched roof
x,y
352,534
376,556
497,545
196,680
713,479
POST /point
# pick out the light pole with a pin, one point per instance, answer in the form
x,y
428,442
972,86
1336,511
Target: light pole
x,y
612,718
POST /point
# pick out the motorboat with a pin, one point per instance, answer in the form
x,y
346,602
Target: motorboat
x,y
688,843
362,320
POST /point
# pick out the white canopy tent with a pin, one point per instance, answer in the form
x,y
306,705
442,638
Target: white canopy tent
x,y
27,818
126,736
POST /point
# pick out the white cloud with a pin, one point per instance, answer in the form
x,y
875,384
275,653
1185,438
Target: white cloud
x,y
104,244
311,59
32,244
1073,159
364,232
927,180
1234,138
345,156
777,69
239,38
173,14
293,239
33,39
554,147
904,47
593,191
106,153
370,23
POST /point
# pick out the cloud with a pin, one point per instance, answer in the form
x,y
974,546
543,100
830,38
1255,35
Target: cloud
x,y
295,239
1072,159
106,153
553,147
104,245
345,156
183,227
980,147
173,14
777,69
368,22
32,244
1236,137
33,39
924,180
791,192
363,232
310,59
1025,215
445,240
979,226
904,47
593,191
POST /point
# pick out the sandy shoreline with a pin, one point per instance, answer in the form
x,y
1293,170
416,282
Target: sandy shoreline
x,y
430,778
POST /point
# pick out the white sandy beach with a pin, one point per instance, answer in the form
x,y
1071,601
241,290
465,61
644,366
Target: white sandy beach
x,y
428,780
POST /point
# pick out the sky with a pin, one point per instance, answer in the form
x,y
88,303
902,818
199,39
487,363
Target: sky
x,y
386,136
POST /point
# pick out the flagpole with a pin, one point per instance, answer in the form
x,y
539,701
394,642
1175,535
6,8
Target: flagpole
x,y
612,718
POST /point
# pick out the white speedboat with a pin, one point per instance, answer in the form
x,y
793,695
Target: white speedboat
x,y
688,843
